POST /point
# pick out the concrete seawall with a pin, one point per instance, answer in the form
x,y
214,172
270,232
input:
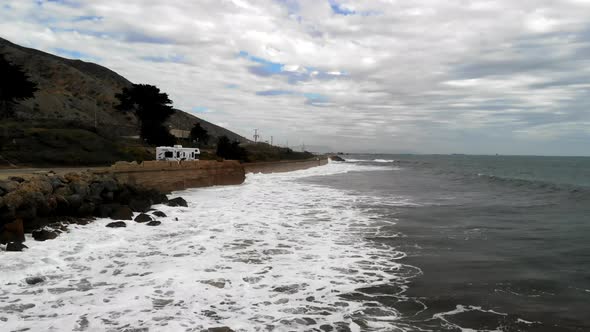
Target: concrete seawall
x,y
171,175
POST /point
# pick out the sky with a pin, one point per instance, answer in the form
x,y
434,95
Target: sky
x,y
422,76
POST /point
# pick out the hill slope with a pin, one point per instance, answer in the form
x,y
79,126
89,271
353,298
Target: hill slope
x,y
74,90
74,94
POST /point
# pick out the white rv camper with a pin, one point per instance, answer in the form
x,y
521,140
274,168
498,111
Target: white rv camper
x,y
177,153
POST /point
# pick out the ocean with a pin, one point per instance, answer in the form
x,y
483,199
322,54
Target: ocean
x,y
376,243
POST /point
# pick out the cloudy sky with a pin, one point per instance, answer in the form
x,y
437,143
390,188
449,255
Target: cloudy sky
x,y
427,76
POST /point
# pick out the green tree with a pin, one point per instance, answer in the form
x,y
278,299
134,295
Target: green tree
x,y
15,86
230,150
152,107
200,134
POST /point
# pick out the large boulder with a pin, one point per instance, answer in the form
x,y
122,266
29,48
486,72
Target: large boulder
x,y
122,213
44,234
105,210
178,201
7,186
86,209
117,224
38,185
15,246
12,232
336,158
143,218
140,205
154,223
159,214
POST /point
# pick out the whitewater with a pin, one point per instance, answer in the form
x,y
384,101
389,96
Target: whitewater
x,y
275,253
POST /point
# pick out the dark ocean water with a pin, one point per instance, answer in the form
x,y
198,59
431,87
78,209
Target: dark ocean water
x,y
493,243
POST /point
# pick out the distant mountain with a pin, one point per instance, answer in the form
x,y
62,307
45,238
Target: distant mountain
x,y
81,92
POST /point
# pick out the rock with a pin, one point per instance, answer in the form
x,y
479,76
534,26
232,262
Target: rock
x,y
105,210
15,246
143,218
117,224
86,209
154,223
122,213
326,328
140,205
336,158
74,201
44,234
8,186
220,329
34,280
16,179
63,191
13,232
178,201
39,185
57,182
159,214
79,187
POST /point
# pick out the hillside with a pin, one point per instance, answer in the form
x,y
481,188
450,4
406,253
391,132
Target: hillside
x,y
75,96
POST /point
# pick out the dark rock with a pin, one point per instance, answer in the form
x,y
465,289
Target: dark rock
x,y
108,196
326,328
15,246
220,329
140,205
122,213
110,184
44,234
62,205
117,224
159,214
74,201
56,182
16,179
80,188
8,186
105,210
178,201
154,223
336,158
63,191
34,280
143,218
12,232
86,209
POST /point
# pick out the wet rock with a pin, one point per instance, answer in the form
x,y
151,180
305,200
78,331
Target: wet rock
x,y
143,218
56,182
12,232
86,209
336,158
74,201
122,213
220,329
15,246
116,224
34,280
326,328
44,234
140,205
159,214
178,201
154,223
218,283
105,210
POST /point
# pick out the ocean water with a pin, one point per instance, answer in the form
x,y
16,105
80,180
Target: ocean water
x,y
377,243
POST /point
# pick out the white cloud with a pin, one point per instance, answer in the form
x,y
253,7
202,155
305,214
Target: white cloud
x,y
424,71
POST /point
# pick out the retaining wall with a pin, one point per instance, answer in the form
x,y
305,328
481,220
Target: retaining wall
x,y
171,175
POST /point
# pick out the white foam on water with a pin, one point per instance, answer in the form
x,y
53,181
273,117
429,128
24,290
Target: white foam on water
x,y
383,160
271,254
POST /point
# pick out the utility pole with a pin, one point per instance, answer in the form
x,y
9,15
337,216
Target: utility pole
x,y
271,138
256,136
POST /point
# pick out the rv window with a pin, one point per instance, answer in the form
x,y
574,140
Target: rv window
x,y
168,154
177,154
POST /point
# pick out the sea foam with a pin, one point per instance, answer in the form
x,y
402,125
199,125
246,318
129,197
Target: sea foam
x,y
272,254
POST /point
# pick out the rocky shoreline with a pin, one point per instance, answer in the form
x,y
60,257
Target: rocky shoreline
x,y
44,205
